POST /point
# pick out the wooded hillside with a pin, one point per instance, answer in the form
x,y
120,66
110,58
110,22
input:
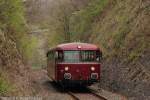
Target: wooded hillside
x,y
13,47
119,27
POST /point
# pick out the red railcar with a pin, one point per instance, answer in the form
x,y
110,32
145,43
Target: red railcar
x,y
74,63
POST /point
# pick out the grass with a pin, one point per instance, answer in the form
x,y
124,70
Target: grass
x,y
5,86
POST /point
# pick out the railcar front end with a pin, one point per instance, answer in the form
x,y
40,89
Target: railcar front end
x,y
75,63
79,67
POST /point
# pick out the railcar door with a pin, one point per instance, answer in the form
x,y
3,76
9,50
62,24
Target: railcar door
x,y
58,59
51,64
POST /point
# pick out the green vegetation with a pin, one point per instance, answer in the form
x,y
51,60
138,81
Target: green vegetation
x,y
81,21
12,17
13,23
13,26
69,25
5,87
28,47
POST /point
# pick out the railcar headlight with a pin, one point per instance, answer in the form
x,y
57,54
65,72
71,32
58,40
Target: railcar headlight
x,y
92,68
66,68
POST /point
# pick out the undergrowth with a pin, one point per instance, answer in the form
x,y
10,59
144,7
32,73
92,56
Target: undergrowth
x,y
5,86
28,47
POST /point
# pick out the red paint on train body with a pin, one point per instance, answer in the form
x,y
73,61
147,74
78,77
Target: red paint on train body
x,y
73,63
76,46
78,71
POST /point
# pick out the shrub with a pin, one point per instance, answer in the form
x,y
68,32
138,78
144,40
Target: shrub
x,y
4,85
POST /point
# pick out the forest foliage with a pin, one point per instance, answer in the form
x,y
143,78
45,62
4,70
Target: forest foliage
x,y
81,21
13,26
13,23
68,23
12,17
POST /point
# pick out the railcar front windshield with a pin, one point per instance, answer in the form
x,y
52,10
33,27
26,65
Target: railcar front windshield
x,y
81,56
71,56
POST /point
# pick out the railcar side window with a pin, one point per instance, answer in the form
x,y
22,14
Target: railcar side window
x,y
98,56
59,56
50,55
56,55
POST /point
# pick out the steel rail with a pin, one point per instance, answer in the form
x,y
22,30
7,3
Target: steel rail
x,y
94,93
73,96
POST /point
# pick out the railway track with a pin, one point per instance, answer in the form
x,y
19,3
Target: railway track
x,y
73,96
95,94
91,95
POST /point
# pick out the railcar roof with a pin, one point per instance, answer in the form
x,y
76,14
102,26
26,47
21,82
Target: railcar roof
x,y
76,46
